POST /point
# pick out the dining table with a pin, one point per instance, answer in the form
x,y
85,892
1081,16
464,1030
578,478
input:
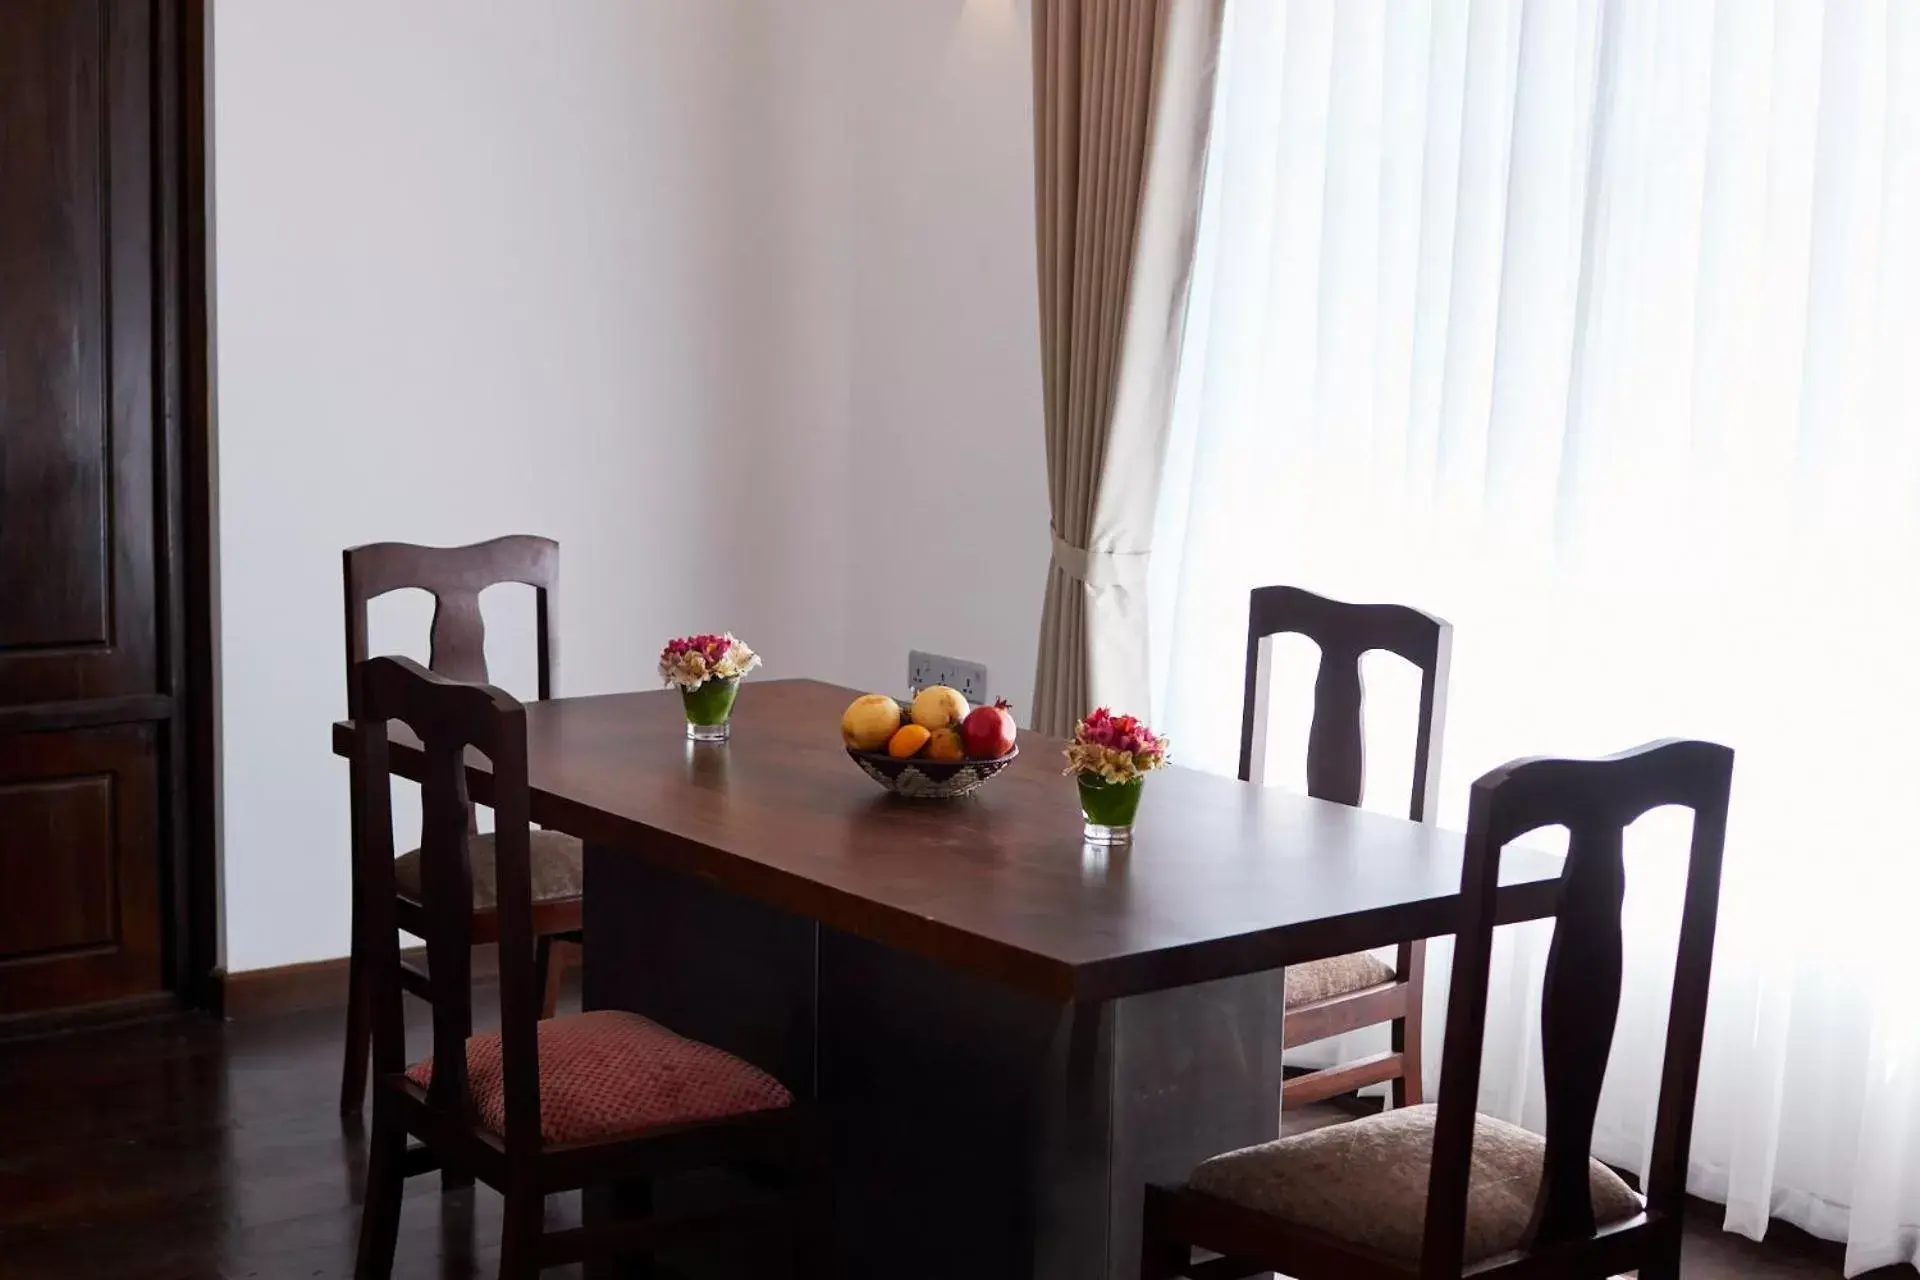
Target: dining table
x,y
1007,1031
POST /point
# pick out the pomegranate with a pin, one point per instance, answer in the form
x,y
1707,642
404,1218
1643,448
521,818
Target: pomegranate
x,y
987,732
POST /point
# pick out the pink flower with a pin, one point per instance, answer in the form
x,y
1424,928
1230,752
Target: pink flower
x,y
1117,748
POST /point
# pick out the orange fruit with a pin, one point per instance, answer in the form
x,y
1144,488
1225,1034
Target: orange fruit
x,y
907,741
945,744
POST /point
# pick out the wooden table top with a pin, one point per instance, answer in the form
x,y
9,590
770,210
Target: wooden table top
x,y
1222,878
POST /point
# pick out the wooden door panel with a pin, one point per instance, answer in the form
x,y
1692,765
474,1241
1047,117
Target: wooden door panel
x,y
77,423
56,835
79,884
53,475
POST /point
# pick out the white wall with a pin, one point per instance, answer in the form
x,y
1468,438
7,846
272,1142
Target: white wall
x,y
901,139
946,461
754,274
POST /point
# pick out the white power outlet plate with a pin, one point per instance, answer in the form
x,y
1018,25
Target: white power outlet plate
x,y
927,669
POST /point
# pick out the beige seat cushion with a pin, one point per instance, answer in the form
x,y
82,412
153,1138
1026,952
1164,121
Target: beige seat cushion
x,y
1366,1182
553,865
1325,979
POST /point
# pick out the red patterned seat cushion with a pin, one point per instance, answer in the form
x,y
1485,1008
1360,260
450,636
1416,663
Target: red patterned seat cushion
x,y
609,1073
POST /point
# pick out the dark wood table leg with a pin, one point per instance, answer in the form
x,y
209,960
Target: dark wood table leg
x,y
983,1132
977,1131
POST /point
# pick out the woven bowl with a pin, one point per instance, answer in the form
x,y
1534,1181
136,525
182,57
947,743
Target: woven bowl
x,y
930,779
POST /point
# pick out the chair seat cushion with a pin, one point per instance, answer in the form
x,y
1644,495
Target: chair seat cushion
x,y
608,1073
1325,979
1365,1182
553,866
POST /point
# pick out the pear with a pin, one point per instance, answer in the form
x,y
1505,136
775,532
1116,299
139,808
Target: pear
x,y
869,722
939,707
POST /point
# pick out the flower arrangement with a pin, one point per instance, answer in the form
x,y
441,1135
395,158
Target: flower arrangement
x,y
691,661
1114,749
707,671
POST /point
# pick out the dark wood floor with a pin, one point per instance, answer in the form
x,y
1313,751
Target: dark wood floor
x,y
195,1150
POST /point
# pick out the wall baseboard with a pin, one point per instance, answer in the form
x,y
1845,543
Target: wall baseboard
x,y
314,984
88,1017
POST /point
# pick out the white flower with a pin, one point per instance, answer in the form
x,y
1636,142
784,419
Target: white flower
x,y
737,661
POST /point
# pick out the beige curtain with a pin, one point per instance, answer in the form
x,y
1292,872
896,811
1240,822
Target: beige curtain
x,y
1123,91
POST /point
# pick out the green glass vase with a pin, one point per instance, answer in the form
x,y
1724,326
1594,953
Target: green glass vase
x,y
1109,808
710,709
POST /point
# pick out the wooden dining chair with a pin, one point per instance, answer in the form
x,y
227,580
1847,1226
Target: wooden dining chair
x,y
539,1107
1326,998
455,577
1444,1192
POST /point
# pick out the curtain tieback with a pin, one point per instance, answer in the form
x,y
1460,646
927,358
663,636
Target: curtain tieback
x,y
1100,568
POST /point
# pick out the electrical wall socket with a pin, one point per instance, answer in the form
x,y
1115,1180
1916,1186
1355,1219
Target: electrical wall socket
x,y
927,669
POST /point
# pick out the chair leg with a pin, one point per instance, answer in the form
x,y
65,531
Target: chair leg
x,y
359,1046
633,1202
1665,1264
1163,1260
1162,1257
1408,1090
1411,965
565,956
813,1252
573,955
459,1235
523,1221
380,1206
547,969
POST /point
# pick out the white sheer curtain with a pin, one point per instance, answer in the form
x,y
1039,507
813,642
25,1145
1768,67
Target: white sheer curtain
x,y
1594,327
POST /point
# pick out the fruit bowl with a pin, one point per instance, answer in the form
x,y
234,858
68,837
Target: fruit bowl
x,y
923,779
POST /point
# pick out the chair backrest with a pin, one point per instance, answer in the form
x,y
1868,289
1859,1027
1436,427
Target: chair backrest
x,y
455,576
1596,800
448,717
1336,751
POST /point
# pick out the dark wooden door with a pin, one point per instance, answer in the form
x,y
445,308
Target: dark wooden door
x,y
86,716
